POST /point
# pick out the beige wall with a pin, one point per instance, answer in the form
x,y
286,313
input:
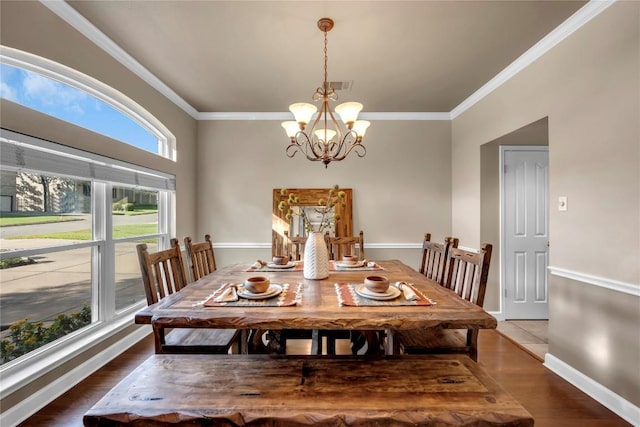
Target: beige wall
x,y
588,87
401,189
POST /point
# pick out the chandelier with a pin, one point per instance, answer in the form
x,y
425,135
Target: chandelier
x,y
326,140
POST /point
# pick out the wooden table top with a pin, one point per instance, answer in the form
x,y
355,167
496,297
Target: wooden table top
x,y
260,390
319,308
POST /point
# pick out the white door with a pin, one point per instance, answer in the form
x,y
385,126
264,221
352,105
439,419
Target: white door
x,y
525,241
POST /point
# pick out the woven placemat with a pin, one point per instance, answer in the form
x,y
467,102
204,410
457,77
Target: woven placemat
x,y
266,268
334,267
290,295
347,296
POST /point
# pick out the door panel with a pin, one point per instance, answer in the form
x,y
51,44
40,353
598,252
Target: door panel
x,y
525,232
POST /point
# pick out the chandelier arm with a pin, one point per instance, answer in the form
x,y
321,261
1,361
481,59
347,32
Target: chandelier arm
x,y
307,144
339,146
350,146
296,146
336,124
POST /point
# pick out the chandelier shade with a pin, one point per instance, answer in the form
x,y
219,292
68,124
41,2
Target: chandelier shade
x,y
360,127
324,134
349,111
303,111
327,139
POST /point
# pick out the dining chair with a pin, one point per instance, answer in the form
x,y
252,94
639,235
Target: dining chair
x,y
466,275
346,245
163,274
434,257
295,246
203,260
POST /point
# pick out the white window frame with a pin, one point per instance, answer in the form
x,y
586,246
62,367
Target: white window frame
x,y
106,321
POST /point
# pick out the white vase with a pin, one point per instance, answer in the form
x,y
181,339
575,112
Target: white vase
x,y
316,257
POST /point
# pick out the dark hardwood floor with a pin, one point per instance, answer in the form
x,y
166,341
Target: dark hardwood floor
x,y
552,401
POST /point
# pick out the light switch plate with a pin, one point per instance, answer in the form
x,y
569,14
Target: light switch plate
x,y
562,203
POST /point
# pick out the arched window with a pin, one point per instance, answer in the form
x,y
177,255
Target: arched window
x,y
69,95
74,269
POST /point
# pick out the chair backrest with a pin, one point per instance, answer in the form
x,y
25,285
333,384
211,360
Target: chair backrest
x,y
467,273
203,260
347,245
162,272
295,246
434,257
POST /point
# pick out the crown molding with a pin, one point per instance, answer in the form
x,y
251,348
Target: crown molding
x,y
90,31
288,116
245,116
568,27
564,30
405,116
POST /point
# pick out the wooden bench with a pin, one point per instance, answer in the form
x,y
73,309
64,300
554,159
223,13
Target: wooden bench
x,y
269,390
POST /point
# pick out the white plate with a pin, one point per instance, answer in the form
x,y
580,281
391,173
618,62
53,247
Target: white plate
x,y
345,265
290,264
391,293
271,292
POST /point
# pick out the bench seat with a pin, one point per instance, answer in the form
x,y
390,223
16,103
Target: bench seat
x,y
276,390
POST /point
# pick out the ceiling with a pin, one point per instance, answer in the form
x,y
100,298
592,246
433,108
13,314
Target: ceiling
x,y
261,56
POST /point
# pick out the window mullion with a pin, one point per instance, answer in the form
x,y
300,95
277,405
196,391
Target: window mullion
x,y
165,213
103,260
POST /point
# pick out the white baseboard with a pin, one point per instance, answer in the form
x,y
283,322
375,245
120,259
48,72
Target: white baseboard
x,y
38,400
622,407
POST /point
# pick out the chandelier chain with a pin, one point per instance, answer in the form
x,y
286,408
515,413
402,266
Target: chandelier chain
x,y
326,60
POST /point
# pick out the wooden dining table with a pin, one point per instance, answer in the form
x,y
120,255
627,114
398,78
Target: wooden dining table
x,y
317,303
310,390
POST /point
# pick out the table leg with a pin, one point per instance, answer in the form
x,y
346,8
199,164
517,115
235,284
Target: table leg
x,y
390,342
244,342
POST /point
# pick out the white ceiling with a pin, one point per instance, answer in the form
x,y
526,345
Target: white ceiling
x,y
261,56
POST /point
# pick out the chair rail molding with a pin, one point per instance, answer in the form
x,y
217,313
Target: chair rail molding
x,y
391,245
603,282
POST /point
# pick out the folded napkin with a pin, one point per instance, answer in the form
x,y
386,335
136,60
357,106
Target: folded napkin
x,y
407,291
258,264
371,264
228,295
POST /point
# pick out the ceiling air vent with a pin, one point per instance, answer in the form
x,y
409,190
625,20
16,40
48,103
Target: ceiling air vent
x,y
341,85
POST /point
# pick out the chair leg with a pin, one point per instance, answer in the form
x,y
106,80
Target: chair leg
x,y
331,345
316,342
